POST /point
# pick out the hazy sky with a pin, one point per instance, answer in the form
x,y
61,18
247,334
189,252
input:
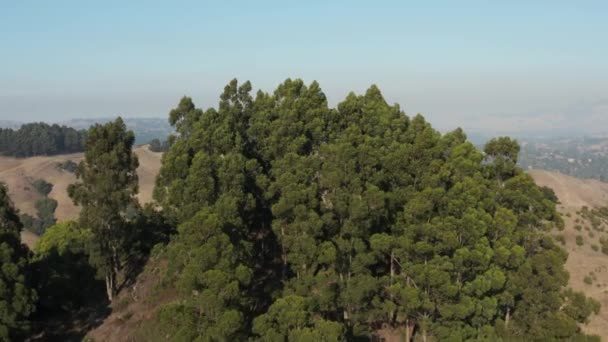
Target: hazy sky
x,y
498,65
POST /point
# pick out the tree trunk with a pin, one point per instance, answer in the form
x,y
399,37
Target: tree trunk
x,y
409,330
507,317
392,267
110,286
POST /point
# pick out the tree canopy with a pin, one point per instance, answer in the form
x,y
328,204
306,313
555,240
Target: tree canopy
x,y
298,221
16,297
106,190
36,139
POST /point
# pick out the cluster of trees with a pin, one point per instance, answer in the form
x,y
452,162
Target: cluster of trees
x,y
291,220
297,221
17,298
35,139
45,209
74,260
156,145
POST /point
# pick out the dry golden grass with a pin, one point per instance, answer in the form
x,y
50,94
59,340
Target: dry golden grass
x,y
573,194
18,174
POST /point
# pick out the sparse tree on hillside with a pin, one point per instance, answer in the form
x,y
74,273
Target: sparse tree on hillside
x,y
107,187
16,298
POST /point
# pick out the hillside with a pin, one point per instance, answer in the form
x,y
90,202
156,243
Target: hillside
x,y
19,173
573,194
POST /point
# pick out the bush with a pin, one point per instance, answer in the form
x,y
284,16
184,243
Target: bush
x,y
46,215
588,280
43,187
68,165
560,238
579,240
595,248
578,227
64,279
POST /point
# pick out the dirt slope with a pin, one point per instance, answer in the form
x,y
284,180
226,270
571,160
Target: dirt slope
x,y
18,174
573,194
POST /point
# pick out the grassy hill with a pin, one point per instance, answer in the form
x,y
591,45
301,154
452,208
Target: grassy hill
x,y
19,174
583,261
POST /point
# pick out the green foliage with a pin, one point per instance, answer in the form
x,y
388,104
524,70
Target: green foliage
x,y
17,298
579,240
45,208
595,248
156,145
43,187
106,190
297,221
561,239
588,280
35,139
45,216
290,319
64,278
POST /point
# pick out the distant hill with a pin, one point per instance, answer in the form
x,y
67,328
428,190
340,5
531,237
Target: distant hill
x,y
145,129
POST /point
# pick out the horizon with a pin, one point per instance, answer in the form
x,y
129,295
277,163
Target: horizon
x,y
491,68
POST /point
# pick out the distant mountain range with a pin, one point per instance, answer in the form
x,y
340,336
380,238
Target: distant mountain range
x,y
145,129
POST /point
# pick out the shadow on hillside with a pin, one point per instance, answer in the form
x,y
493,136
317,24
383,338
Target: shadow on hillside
x,y
69,326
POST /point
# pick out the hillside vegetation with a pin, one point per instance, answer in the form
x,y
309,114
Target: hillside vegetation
x,y
296,221
578,200
20,174
276,217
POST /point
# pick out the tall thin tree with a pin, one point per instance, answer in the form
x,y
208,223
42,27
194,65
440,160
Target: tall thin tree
x,y
107,187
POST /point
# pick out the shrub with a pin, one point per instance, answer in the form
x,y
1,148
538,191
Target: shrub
x,y
578,227
43,187
588,280
579,240
595,248
46,215
561,239
68,165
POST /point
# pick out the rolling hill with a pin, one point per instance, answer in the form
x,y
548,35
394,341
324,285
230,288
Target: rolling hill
x,y
18,174
574,194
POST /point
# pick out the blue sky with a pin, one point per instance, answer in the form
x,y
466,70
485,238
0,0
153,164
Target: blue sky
x,y
483,65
